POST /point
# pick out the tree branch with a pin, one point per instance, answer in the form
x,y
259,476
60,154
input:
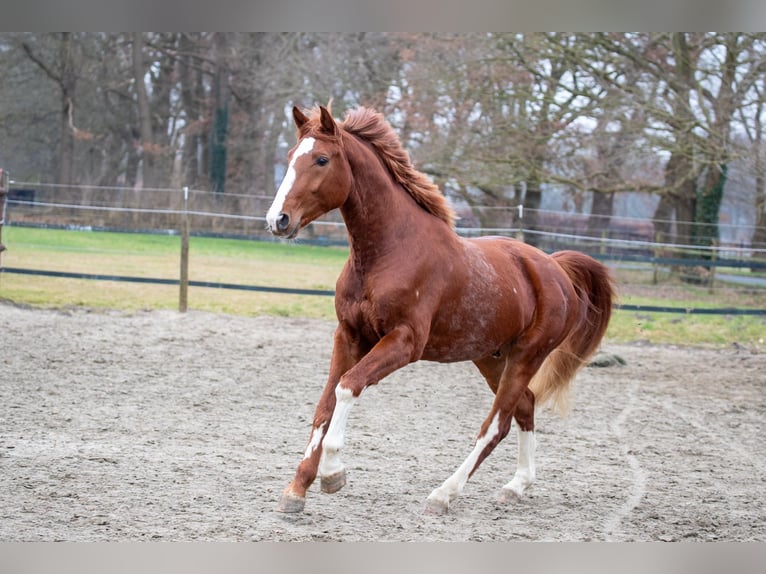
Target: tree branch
x,y
32,56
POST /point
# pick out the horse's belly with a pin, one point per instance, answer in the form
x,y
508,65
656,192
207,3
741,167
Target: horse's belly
x,y
475,327
455,354
470,342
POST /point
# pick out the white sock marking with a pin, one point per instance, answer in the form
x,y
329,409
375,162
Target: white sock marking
x,y
330,462
525,470
455,483
305,146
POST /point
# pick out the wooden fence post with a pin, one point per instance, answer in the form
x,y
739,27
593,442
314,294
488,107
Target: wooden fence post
x,y
183,295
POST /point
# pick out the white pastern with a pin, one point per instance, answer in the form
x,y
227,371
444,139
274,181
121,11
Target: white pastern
x,y
525,471
316,438
455,483
305,146
330,462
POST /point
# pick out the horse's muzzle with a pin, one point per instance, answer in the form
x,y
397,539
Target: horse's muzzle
x,y
283,222
281,226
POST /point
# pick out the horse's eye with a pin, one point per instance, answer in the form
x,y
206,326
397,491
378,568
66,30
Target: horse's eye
x,y
322,160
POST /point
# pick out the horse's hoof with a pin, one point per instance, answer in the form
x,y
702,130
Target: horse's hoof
x,y
334,482
436,507
508,496
290,503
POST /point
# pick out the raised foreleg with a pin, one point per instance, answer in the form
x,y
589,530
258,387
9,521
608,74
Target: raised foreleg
x,y
395,350
392,352
344,356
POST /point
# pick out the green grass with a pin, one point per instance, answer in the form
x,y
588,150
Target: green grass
x,y
637,288
210,259
302,266
679,329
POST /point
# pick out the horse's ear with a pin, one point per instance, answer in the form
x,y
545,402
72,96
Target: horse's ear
x,y
327,122
299,117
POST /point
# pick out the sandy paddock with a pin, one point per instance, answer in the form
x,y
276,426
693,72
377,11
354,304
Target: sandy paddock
x,y
162,426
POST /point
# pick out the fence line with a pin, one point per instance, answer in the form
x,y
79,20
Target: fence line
x,y
612,241
135,209
32,184
465,231
510,208
183,213
322,292
624,258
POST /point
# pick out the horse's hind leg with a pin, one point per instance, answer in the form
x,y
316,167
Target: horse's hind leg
x,y
493,369
525,469
494,429
512,400
508,389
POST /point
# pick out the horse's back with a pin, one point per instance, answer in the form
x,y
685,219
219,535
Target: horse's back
x,y
517,263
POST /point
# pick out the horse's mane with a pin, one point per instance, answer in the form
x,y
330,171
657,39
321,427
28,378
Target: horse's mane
x,y
372,127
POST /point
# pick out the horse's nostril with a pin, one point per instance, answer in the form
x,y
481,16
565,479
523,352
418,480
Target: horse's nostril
x,y
283,221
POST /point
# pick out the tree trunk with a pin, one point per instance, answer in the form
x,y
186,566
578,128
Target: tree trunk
x,y
220,119
160,109
192,106
759,235
269,155
663,230
708,205
65,77
145,144
680,196
532,200
600,213
68,83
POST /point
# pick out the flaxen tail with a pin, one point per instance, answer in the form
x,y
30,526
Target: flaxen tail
x,y
596,292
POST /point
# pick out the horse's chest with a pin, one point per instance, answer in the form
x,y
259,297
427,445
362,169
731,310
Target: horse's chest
x,y
373,313
381,313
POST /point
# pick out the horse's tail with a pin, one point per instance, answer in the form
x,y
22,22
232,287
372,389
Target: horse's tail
x,y
595,290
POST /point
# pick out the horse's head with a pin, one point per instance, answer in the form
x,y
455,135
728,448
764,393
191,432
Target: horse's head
x,y
318,177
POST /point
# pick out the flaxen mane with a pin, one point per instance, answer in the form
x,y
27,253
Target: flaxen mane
x,y
371,126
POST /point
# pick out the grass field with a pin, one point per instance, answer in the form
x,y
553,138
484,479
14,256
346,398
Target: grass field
x,y
158,256
301,266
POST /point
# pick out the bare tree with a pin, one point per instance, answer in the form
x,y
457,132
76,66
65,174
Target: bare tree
x,y
691,87
61,67
496,119
753,127
155,109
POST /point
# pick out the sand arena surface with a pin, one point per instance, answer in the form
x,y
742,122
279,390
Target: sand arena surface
x,y
161,426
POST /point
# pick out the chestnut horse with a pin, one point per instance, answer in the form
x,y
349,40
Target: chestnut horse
x,y
413,289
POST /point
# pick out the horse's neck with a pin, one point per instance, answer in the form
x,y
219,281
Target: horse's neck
x,y
379,214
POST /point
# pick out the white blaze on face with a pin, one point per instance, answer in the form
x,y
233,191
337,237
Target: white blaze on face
x,y
305,146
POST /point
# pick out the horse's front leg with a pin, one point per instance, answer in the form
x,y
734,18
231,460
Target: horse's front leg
x,y
344,356
392,352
